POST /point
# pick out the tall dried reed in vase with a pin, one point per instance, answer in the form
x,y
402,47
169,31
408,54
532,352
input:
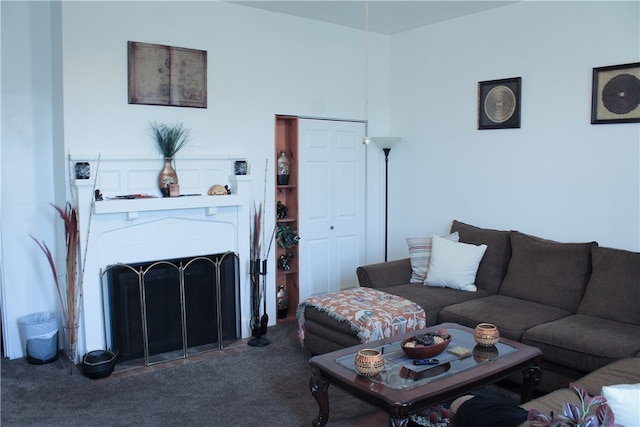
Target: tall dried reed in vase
x,y
68,293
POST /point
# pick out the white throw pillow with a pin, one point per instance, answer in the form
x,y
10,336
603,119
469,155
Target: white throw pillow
x,y
420,254
624,401
454,264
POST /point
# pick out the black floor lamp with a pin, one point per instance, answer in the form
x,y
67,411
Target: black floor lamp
x,y
386,144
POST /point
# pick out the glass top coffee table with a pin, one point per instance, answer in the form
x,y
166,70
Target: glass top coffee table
x,y
403,388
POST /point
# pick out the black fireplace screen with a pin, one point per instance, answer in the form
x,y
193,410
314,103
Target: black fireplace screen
x,y
167,309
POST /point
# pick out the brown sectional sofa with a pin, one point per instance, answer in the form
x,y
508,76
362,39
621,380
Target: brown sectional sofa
x,y
624,371
578,302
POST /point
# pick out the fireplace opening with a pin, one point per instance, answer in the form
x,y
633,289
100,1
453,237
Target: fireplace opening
x,y
168,309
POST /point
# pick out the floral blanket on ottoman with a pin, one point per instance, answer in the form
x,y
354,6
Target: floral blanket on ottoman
x,y
372,314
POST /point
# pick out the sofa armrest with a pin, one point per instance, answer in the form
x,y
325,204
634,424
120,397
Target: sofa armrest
x,y
385,274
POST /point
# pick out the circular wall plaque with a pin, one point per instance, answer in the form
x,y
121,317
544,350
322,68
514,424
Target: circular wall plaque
x,y
621,94
500,104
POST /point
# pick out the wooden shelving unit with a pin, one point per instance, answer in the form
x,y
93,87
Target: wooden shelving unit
x,y
287,141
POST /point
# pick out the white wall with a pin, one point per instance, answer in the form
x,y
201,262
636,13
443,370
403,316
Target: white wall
x,y
557,176
27,167
259,64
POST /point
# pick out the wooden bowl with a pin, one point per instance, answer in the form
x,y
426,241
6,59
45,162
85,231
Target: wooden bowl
x,y
424,352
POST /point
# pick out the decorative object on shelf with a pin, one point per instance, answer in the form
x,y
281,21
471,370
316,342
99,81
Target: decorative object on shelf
x,y
577,415
486,334
83,170
218,190
169,140
615,94
369,362
167,177
282,302
240,167
284,169
499,103
174,190
287,235
167,75
282,210
283,261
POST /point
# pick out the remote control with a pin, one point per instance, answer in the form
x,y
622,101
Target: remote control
x,y
426,362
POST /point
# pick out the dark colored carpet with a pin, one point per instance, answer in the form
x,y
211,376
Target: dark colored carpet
x,y
238,386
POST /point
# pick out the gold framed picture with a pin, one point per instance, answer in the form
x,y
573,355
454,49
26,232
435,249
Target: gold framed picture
x,y
166,75
615,94
499,103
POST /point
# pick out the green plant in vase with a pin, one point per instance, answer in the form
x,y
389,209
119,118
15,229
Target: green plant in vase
x,y
169,140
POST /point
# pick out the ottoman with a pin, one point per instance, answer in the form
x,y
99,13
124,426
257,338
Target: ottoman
x,y
353,316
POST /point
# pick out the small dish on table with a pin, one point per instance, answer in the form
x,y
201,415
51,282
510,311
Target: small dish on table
x,y
423,346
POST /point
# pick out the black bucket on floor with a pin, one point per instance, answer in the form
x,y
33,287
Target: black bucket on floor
x,y
99,363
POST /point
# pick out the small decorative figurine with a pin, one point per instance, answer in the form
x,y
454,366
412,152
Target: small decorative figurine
x,y
282,210
283,261
97,195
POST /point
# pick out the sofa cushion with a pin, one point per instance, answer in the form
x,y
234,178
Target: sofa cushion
x,y
552,402
547,272
433,299
584,343
512,316
613,290
493,266
624,401
420,255
621,371
454,265
384,274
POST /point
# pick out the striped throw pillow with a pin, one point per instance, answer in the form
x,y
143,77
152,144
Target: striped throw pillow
x,y
420,255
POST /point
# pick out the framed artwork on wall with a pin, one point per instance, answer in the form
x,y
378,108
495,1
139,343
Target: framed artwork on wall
x,y
615,94
499,103
166,75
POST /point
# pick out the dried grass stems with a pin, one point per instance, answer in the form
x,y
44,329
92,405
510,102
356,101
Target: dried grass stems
x,y
68,295
170,138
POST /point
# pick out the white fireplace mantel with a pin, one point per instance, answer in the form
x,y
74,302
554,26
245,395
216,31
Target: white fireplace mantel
x,y
116,230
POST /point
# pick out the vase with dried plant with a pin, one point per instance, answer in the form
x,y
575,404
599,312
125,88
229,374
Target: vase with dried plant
x,y
257,269
69,291
169,139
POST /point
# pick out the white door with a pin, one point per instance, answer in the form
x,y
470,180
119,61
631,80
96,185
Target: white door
x,y
331,205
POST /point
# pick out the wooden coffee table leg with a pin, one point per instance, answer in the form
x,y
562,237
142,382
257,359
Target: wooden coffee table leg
x,y
398,422
531,379
319,389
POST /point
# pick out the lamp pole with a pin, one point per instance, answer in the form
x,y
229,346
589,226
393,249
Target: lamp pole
x,y
386,199
385,143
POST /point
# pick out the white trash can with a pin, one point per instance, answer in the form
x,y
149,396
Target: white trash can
x,y
40,332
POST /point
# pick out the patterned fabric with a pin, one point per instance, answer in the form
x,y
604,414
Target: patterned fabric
x,y
420,254
371,313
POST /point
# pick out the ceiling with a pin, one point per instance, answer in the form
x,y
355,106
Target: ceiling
x,y
385,16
